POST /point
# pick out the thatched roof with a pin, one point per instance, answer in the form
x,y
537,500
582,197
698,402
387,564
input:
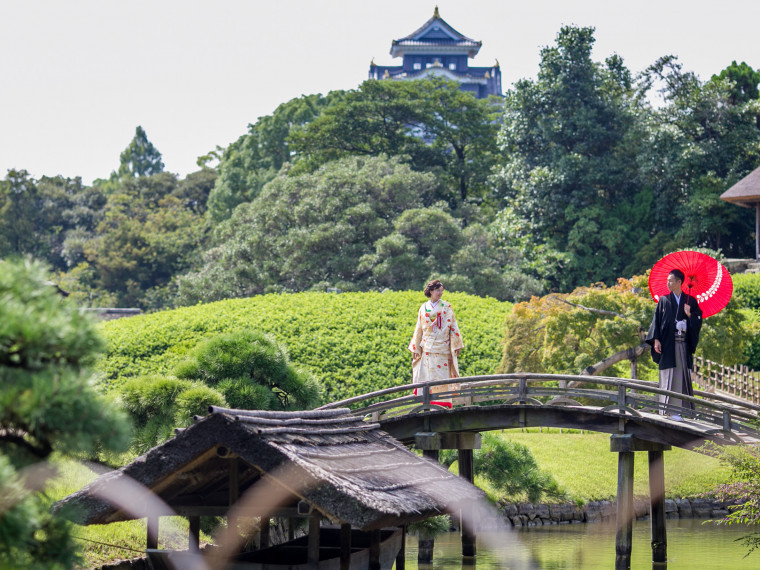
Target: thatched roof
x,y
347,469
746,192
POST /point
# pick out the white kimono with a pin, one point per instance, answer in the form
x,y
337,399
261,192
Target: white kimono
x,y
435,339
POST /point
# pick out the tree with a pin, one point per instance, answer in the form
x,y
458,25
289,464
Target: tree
x,y
146,237
423,244
69,213
194,190
48,404
140,158
432,123
244,370
253,371
309,230
570,141
255,158
20,225
745,82
700,142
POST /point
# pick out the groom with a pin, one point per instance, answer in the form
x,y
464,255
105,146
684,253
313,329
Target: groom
x,y
673,336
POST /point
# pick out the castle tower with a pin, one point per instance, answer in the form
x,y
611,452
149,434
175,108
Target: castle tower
x,y
437,49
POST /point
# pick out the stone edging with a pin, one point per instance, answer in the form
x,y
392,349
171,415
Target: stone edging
x,y
527,514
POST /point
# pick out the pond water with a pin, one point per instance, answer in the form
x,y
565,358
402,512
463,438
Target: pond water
x,y
691,544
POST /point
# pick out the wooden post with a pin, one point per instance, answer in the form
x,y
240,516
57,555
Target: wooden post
x,y
657,506
234,493
152,532
757,231
401,556
431,454
624,520
264,531
467,472
194,533
345,547
374,550
634,368
313,541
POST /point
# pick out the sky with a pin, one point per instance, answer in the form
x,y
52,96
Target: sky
x,y
78,76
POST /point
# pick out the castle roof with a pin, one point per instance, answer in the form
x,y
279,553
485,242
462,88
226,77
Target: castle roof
x,y
435,34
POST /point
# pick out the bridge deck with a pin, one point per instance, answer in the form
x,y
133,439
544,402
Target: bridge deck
x,y
603,404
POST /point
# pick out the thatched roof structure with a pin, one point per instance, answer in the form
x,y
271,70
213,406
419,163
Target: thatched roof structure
x,y
346,468
746,192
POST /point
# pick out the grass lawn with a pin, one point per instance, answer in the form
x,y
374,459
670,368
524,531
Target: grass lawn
x,y
584,466
116,541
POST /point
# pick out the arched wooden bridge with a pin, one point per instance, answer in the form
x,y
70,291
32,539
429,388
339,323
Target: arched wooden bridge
x,y
629,410
595,403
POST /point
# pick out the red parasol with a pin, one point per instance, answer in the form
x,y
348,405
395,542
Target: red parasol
x,y
706,279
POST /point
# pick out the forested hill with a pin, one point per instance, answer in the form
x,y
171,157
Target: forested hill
x,y
352,342
589,172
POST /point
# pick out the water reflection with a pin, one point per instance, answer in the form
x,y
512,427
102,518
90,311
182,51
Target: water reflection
x,y
691,544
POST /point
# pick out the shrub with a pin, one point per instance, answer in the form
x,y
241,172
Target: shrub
x,y
258,360
352,343
747,290
150,396
747,295
195,402
157,404
510,469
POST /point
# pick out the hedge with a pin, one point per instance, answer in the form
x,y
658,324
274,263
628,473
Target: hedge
x,y
353,343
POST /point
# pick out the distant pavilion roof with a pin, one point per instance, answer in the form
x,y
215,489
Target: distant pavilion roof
x,y
746,192
351,471
436,34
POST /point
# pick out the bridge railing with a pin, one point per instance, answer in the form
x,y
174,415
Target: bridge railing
x,y
737,380
725,415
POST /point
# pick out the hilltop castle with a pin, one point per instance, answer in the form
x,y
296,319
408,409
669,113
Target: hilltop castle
x,y
437,49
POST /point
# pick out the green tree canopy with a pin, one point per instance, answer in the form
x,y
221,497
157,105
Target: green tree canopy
x,y
244,370
306,230
47,404
745,81
432,123
570,143
256,157
20,224
140,158
147,236
699,143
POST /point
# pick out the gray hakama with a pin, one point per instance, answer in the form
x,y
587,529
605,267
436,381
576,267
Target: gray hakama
x,y
677,379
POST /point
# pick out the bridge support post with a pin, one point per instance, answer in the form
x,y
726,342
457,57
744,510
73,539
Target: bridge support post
x,y
467,471
657,507
431,454
625,445
624,518
464,442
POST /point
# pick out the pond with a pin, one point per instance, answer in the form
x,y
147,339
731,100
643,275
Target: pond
x,y
691,544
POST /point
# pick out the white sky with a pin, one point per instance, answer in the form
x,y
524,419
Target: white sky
x,y
77,76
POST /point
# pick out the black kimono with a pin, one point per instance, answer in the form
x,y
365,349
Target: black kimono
x,y
663,328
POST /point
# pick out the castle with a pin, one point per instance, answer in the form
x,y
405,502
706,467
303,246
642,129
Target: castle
x,y
437,49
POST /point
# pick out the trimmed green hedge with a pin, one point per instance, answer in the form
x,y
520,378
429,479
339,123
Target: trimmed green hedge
x,y
747,290
353,343
747,293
